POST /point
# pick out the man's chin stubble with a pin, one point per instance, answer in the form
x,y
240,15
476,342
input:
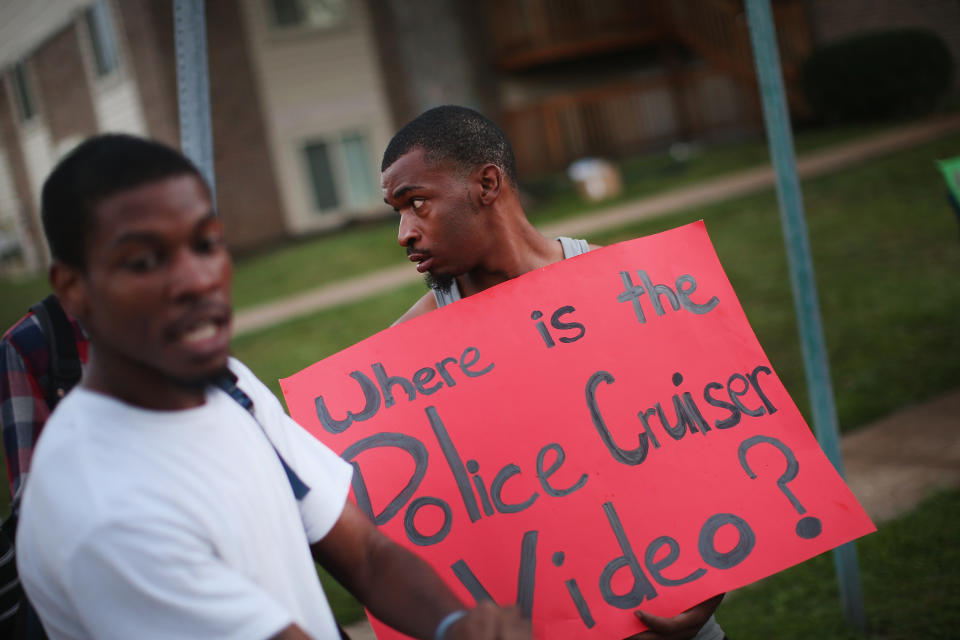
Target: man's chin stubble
x,y
438,282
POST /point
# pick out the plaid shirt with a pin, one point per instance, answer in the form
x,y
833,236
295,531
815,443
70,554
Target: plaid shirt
x,y
24,371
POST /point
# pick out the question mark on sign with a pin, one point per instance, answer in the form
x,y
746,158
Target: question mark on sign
x,y
808,527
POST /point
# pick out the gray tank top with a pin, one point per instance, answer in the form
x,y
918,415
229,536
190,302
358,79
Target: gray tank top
x,y
570,246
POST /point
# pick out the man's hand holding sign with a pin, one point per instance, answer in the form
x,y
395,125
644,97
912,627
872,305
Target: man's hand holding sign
x,y
599,436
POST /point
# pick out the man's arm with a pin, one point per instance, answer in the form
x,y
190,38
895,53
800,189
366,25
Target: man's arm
x,y
680,627
424,305
293,632
400,588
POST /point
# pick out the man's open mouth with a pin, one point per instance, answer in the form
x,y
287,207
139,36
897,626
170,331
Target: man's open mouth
x,y
203,331
203,326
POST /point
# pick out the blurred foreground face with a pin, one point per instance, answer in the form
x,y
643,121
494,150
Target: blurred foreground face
x,y
155,295
439,223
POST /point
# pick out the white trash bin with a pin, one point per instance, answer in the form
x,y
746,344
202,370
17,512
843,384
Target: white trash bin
x,y
596,179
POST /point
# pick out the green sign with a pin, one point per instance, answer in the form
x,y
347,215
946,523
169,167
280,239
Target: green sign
x,y
951,173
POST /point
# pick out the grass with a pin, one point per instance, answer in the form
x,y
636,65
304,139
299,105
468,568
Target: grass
x,y
282,350
910,573
313,262
17,295
886,251
317,261
555,198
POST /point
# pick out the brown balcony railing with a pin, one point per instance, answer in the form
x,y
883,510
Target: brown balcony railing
x,y
525,33
677,101
624,118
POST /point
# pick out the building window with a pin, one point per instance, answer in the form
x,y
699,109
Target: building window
x,y
315,14
23,95
356,160
340,173
321,176
102,38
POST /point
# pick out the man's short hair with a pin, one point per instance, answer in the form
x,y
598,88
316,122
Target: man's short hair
x,y
454,134
98,168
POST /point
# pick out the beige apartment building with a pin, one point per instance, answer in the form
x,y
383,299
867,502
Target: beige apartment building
x,y
305,94
298,106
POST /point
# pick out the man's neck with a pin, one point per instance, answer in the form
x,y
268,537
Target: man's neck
x,y
516,251
142,388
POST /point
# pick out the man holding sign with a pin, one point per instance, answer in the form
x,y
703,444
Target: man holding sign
x,y
592,437
170,496
451,176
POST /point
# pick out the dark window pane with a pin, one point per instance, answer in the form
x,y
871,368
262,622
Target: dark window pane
x,y
360,181
100,26
21,89
287,13
321,175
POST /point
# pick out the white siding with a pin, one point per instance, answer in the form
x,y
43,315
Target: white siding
x,y
25,24
9,202
117,106
39,157
317,85
12,224
116,101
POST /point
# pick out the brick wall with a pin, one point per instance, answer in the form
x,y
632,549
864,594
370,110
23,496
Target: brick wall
x,y
148,30
247,192
62,87
10,142
247,195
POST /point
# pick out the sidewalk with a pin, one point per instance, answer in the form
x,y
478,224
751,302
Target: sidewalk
x,y
707,192
891,465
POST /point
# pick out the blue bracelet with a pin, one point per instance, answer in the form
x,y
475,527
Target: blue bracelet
x,y
447,622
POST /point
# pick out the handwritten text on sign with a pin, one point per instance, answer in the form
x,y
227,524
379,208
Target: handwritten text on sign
x,y
602,435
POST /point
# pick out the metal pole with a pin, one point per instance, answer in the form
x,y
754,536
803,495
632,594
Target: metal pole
x,y
780,139
193,87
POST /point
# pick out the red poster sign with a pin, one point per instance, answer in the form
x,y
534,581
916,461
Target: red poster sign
x,y
601,435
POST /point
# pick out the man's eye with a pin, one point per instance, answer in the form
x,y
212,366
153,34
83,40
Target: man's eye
x,y
416,203
207,244
143,262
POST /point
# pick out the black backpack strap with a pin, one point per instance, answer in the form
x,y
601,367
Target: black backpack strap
x,y
65,368
227,381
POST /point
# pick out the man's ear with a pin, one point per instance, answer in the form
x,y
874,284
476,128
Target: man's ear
x,y
70,287
491,182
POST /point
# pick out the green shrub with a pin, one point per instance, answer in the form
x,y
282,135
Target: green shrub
x,y
878,74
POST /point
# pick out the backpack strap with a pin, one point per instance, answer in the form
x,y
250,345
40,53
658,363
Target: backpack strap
x,y
227,382
65,367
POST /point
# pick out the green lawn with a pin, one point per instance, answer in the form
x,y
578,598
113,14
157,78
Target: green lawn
x,y
911,579
886,249
17,296
313,262
317,261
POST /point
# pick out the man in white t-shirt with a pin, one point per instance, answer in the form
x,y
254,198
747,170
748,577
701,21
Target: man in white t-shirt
x,y
164,505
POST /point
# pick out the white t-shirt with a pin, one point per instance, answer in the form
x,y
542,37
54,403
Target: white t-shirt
x,y
177,524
